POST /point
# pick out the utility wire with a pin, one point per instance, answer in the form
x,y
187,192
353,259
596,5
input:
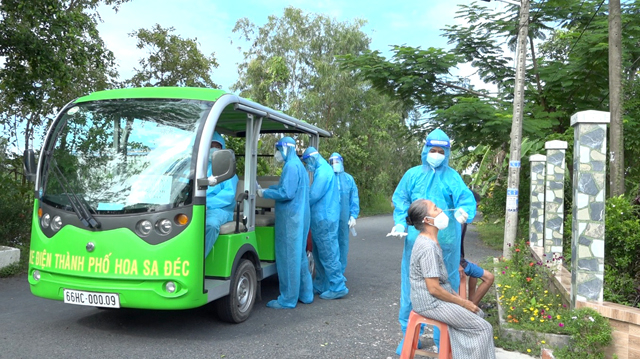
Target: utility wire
x,y
585,28
581,33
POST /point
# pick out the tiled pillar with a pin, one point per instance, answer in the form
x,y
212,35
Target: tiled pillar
x,y
536,203
587,229
554,203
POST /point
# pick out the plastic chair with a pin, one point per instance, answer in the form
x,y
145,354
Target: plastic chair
x,y
412,336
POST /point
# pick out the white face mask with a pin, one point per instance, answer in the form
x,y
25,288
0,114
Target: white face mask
x,y
441,221
336,167
212,150
278,156
435,159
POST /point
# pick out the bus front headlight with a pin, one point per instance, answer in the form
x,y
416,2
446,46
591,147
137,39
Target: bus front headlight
x,y
144,227
46,220
56,223
164,226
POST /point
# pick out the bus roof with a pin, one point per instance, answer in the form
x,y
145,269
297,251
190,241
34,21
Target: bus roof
x,y
232,121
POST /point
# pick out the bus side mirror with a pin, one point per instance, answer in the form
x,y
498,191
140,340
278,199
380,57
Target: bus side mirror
x,y
223,167
29,162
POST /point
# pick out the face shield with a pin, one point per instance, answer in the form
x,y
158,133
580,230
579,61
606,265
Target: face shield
x,y
336,163
309,161
284,148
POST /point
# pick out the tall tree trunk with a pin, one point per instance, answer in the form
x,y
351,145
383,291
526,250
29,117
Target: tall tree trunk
x,y
616,140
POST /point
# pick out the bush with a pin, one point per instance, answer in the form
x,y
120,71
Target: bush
x,y
590,334
493,204
622,249
16,205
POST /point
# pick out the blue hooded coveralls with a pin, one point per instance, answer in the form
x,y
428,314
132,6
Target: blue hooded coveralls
x,y
349,205
291,195
444,187
221,200
324,199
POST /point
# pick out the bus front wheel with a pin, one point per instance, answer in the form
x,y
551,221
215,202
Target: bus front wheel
x,y
236,307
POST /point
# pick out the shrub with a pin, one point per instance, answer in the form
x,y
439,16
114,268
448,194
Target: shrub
x,y
590,334
493,204
16,204
622,249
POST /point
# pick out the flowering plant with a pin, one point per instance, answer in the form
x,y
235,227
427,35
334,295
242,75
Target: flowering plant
x,y
528,304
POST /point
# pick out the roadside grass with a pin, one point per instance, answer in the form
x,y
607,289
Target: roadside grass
x,y
491,232
376,204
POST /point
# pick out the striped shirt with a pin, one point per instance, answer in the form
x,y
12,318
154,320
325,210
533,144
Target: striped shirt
x,y
426,262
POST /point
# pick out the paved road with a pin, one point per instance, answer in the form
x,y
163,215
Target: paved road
x,y
361,325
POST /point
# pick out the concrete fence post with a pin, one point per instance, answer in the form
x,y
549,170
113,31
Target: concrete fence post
x,y
554,203
589,189
536,203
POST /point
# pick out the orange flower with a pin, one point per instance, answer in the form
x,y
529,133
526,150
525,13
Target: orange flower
x,y
529,279
517,249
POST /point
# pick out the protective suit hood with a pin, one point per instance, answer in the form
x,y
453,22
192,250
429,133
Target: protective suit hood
x,y
312,158
218,138
336,162
287,147
437,138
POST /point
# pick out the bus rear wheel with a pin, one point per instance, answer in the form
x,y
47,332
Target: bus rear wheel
x,y
236,307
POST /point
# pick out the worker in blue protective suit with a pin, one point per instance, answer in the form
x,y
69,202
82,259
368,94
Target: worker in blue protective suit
x,y
291,195
349,205
220,200
324,199
436,181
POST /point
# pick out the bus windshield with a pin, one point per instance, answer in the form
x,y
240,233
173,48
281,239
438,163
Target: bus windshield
x,y
122,156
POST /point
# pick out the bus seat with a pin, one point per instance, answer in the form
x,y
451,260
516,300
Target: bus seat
x,y
236,225
229,227
265,208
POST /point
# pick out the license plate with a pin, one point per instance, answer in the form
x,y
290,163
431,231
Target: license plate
x,y
92,299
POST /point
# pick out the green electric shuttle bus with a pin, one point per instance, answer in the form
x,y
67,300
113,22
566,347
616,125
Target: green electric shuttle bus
x,y
120,201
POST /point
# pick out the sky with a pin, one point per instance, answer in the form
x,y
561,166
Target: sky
x,y
415,23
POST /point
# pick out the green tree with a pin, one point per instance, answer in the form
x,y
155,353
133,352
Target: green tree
x,y
171,60
567,73
288,53
291,65
52,53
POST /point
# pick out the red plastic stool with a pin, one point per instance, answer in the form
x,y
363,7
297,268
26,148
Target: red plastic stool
x,y
411,337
